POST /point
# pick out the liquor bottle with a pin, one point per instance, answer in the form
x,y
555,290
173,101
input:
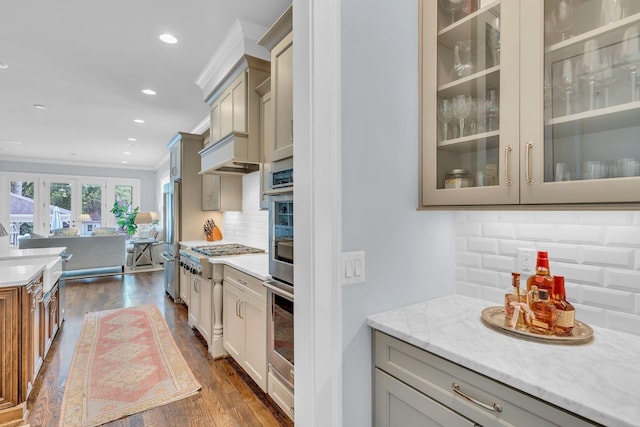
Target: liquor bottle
x,y
542,279
545,314
566,311
512,297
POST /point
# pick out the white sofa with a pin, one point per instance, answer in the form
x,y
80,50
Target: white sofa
x,y
89,252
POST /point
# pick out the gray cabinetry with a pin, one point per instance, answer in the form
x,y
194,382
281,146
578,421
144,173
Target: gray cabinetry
x,y
411,382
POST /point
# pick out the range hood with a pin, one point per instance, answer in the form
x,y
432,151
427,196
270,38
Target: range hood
x,y
230,155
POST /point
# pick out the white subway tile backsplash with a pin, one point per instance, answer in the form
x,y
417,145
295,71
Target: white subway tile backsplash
x,y
624,322
538,232
510,247
483,277
608,256
499,263
251,226
477,244
608,298
623,279
623,236
468,259
562,252
580,234
469,289
468,229
579,273
598,252
498,230
605,217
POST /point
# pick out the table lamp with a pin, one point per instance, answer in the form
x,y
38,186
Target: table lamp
x,y
143,219
82,219
154,217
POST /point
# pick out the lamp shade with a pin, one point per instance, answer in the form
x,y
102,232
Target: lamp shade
x,y
143,218
154,216
3,231
84,218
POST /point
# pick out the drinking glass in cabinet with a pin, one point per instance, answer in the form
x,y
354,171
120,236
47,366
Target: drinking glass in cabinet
x,y
590,67
629,57
461,109
613,10
445,115
492,110
451,7
561,20
565,81
463,54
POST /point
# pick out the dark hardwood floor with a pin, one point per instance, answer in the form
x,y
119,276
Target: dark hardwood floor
x,y
228,396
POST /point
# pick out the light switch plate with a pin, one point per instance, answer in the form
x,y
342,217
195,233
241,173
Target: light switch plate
x,y
353,267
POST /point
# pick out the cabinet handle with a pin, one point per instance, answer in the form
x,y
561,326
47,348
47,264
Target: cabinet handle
x,y
291,130
507,162
493,408
527,163
237,315
242,282
240,306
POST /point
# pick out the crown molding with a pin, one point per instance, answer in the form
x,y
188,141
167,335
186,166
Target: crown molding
x,y
240,41
278,31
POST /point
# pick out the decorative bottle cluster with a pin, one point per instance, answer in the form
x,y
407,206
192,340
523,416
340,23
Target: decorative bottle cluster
x,y
542,308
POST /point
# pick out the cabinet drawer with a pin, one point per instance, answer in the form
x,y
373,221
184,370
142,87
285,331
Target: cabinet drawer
x,y
247,282
436,377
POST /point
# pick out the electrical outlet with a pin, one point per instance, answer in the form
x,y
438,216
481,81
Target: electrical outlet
x,y
526,260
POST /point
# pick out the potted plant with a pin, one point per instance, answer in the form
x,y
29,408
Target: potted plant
x,y
126,218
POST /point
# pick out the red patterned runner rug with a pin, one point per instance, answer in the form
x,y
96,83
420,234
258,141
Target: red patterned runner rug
x,y
125,362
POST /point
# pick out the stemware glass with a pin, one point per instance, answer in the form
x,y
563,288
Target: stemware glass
x,y
463,59
590,67
492,110
566,82
563,17
445,115
613,10
461,109
629,57
452,6
607,76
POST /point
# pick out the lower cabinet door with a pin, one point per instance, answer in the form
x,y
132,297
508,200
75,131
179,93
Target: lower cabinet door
x,y
397,404
206,308
233,324
194,299
255,318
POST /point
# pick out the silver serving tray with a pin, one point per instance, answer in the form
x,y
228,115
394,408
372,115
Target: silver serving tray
x,y
494,316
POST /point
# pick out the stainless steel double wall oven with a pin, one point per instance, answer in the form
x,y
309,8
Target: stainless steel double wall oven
x,y
280,295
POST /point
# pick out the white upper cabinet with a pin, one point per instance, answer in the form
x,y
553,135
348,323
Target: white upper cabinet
x,y
529,102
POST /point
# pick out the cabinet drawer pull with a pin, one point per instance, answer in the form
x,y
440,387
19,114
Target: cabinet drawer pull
x,y
242,282
493,408
527,163
507,162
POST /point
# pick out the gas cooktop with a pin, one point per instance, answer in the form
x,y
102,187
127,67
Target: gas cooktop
x,y
226,250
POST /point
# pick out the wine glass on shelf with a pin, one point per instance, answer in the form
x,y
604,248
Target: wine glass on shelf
x,y
563,17
445,115
629,57
566,82
452,6
607,75
461,109
492,109
613,10
589,67
463,59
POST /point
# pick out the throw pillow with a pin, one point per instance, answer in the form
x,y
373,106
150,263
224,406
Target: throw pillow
x,y
105,231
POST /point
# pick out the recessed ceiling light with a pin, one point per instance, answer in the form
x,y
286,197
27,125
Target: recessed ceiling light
x,y
11,142
168,38
3,66
124,162
73,154
138,120
40,106
127,153
148,91
131,139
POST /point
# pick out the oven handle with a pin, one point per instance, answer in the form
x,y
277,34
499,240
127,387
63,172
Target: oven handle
x,y
276,290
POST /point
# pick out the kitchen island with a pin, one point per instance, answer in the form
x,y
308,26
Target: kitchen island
x,y
597,380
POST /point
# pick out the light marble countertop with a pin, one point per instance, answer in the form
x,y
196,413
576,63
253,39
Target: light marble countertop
x,y
32,253
18,275
598,380
256,265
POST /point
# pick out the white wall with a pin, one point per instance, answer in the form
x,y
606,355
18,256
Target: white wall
x,y
249,227
409,254
597,252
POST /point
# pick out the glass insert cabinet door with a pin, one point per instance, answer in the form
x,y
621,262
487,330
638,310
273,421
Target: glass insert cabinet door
x,y
469,71
581,142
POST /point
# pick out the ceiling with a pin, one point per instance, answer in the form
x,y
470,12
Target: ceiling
x,y
87,61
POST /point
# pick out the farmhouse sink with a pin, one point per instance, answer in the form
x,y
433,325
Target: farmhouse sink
x,y
51,273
